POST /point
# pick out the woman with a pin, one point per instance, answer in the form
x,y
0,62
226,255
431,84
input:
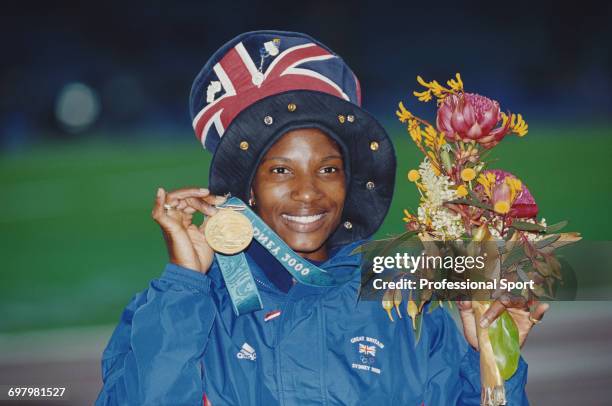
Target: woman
x,y
281,114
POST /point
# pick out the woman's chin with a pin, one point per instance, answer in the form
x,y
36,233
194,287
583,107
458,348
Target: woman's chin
x,y
304,246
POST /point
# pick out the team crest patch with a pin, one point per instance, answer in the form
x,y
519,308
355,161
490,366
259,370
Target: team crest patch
x,y
366,349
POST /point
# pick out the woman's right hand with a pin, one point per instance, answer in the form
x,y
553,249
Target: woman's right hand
x,y
173,211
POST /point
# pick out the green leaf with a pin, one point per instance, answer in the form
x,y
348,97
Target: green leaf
x,y
402,238
516,255
471,202
503,334
556,227
547,241
384,246
522,275
525,226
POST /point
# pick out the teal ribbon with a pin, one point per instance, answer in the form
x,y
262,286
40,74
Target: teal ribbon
x,y
237,274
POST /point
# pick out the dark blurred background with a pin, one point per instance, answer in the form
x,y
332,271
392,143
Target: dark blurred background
x,y
93,118
137,59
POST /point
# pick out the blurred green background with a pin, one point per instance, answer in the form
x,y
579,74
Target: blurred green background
x,y
78,240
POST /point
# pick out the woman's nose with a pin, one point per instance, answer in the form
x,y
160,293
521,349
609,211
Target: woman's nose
x,y
306,190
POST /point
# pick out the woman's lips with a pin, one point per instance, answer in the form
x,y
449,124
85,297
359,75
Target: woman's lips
x,y
304,223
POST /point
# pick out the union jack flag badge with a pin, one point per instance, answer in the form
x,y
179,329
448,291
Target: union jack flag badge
x,y
367,349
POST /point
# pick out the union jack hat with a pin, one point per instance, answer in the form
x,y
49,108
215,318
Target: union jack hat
x,y
263,84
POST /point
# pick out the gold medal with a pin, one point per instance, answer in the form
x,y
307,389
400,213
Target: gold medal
x,y
228,232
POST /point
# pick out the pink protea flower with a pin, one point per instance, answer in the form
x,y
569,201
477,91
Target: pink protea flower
x,y
507,194
471,117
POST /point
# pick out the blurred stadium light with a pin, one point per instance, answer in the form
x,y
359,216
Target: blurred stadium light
x,y
77,107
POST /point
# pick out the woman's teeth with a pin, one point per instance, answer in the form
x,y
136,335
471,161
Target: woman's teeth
x,y
303,219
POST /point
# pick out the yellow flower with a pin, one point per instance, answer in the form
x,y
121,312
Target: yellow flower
x,y
403,114
435,167
468,174
487,180
520,128
435,88
517,124
412,310
456,84
423,96
415,131
502,207
408,217
462,191
387,302
515,186
413,175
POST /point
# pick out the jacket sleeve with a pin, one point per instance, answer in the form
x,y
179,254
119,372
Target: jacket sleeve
x,y
454,368
154,355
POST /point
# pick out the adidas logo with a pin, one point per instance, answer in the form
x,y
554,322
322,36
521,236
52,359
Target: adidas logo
x,y
247,352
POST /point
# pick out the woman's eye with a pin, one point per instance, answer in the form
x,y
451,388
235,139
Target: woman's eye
x,y
280,170
328,169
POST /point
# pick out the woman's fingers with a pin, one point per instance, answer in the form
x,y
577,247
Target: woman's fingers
x,y
188,192
539,311
199,199
202,206
506,301
158,206
468,320
491,314
160,212
204,252
215,199
465,305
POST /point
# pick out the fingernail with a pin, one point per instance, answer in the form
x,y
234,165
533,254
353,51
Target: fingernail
x,y
159,192
204,190
484,322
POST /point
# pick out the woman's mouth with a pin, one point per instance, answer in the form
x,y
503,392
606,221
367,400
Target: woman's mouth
x,y
304,223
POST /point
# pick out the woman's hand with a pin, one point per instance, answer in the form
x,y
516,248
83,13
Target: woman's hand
x,y
185,241
518,309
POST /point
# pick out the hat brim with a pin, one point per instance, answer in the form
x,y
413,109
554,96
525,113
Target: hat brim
x,y
367,150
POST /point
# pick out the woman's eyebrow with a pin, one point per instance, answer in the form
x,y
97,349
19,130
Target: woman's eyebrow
x,y
284,159
276,158
330,157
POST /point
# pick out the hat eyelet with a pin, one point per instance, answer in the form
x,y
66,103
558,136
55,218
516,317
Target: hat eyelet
x,y
244,145
348,225
291,107
370,185
268,120
374,146
341,118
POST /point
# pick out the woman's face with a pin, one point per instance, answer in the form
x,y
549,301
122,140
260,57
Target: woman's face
x,y
299,190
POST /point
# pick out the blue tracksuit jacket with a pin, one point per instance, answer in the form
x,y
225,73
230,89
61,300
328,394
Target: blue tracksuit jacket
x,y
180,339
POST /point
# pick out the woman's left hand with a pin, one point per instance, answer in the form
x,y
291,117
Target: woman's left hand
x,y
518,309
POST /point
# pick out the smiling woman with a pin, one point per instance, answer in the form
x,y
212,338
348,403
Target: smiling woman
x,y
299,190
282,115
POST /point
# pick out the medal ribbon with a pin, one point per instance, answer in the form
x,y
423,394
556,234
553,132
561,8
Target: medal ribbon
x,y
237,274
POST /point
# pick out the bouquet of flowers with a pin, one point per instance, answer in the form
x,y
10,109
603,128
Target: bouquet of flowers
x,y
468,207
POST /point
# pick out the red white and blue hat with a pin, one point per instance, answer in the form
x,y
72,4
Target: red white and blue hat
x,y
262,84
